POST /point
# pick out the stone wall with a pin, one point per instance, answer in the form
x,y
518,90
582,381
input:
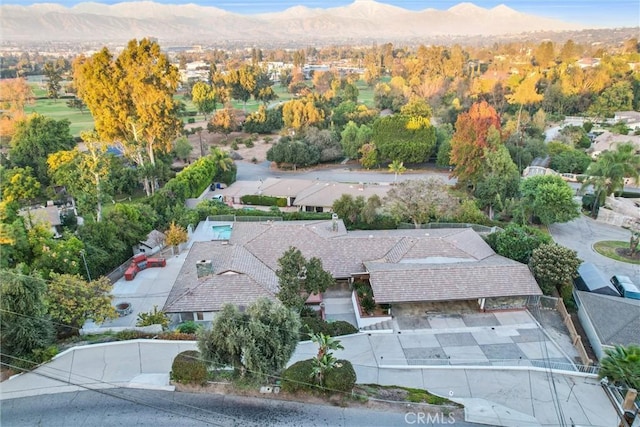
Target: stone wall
x,y
620,212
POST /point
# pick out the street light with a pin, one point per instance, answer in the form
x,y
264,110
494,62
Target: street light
x,y
85,264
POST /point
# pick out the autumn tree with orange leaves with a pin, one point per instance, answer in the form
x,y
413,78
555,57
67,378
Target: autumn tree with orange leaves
x,y
15,94
471,141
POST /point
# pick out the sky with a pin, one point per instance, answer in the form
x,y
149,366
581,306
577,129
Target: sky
x,y
599,13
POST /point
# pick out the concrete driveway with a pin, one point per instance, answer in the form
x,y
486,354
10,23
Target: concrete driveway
x,y
580,235
498,369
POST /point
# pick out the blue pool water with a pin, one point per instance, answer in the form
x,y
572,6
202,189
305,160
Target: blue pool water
x,y
221,232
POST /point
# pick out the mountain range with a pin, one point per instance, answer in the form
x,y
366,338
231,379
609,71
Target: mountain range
x,y
363,20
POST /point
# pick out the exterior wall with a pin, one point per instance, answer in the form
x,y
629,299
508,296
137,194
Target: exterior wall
x,y
206,316
505,303
142,249
365,321
589,329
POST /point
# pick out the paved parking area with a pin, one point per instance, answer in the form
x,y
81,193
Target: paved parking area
x,y
481,339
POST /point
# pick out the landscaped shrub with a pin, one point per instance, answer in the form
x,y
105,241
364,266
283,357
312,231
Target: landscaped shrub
x,y
259,200
189,327
341,327
340,378
187,368
130,334
298,376
177,336
362,288
367,303
311,325
42,355
248,143
315,325
153,317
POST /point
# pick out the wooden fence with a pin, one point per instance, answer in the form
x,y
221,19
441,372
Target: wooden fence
x,y
576,339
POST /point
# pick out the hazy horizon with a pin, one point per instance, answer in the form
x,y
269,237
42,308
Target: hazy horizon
x,y
596,13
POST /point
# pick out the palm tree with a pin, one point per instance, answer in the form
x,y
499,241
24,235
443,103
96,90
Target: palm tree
x,y
621,366
222,159
397,167
608,173
324,360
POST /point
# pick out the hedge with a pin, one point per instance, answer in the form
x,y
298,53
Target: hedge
x,y
298,376
258,200
333,329
187,368
341,378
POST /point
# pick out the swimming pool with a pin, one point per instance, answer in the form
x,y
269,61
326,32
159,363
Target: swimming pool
x,y
221,232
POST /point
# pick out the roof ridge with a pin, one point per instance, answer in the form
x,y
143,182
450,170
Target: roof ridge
x,y
201,281
403,245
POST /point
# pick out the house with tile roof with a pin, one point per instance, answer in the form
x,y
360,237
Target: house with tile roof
x,y
315,195
608,320
401,266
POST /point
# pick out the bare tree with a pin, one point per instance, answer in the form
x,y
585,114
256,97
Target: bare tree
x,y
420,201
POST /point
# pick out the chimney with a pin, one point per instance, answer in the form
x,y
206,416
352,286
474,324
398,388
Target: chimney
x,y
334,222
204,268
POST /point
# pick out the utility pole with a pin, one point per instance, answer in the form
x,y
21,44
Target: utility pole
x,y
85,265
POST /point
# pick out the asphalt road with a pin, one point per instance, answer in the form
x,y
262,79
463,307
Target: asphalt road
x,y
135,407
341,173
580,235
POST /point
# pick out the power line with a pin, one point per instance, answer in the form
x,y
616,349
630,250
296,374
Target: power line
x,y
549,373
102,391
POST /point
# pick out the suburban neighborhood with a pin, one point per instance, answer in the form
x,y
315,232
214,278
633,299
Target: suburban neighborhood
x,y
352,214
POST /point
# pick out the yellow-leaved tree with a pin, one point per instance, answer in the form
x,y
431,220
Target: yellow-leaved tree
x,y
131,100
175,235
71,300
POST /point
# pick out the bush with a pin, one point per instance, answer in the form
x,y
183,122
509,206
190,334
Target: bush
x,y
248,143
341,378
130,334
43,355
298,376
234,145
187,368
317,326
177,336
191,120
189,327
153,317
341,327
255,199
368,304
362,288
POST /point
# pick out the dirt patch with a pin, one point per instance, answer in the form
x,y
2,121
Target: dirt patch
x,y
583,335
203,141
6,373
626,254
375,397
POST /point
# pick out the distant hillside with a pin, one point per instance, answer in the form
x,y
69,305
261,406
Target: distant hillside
x,y
359,21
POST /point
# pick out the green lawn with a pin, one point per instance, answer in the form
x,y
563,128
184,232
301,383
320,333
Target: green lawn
x,y
57,109
81,121
608,248
365,94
